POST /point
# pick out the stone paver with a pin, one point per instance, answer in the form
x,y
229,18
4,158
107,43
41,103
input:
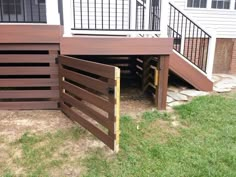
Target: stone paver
x,y
176,103
194,93
169,99
177,96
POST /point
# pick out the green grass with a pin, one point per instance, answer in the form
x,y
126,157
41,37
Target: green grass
x,y
204,146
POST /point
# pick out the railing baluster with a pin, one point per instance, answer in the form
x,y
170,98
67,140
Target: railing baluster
x,y
192,44
1,14
102,13
189,38
81,14
16,10
129,14
122,14
9,15
31,10
207,47
200,49
196,60
116,15
39,11
186,26
95,13
88,14
203,53
74,14
143,16
174,23
109,12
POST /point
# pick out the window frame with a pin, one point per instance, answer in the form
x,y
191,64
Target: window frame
x,y
222,4
196,7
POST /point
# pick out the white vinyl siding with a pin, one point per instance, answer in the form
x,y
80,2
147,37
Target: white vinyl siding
x,y
222,21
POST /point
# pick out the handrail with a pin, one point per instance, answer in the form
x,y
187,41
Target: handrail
x,y
116,15
190,19
190,40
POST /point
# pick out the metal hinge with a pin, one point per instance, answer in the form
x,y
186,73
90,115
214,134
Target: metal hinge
x,y
111,91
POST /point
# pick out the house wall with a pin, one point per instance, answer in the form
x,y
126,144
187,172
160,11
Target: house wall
x,y
223,22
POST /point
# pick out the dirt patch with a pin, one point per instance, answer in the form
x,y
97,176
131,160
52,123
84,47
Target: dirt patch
x,y
134,102
13,124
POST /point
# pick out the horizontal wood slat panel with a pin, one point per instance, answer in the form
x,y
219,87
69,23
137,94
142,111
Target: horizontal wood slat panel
x,y
89,126
31,58
28,82
28,70
88,96
86,81
88,66
29,94
28,105
30,33
29,47
88,110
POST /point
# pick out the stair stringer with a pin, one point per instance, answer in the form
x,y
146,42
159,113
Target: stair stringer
x,y
187,71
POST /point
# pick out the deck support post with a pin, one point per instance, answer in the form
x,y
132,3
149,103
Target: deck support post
x,y
161,90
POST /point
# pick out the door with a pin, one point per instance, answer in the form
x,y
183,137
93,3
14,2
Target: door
x,y
90,96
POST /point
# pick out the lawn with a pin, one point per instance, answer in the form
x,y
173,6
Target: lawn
x,y
198,139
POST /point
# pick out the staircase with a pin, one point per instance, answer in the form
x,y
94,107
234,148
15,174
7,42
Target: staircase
x,y
191,58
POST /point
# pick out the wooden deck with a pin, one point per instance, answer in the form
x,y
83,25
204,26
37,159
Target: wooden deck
x,y
49,39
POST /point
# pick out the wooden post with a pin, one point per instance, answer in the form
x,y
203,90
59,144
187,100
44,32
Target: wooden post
x,y
117,110
161,89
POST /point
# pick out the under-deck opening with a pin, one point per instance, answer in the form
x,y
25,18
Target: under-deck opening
x,y
138,83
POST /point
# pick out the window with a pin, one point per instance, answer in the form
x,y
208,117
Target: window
x,y
220,4
39,2
11,7
197,3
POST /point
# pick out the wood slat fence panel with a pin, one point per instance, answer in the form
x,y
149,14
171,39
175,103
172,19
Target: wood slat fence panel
x,y
28,80
90,96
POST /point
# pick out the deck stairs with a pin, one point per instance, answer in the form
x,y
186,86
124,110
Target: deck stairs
x,y
190,50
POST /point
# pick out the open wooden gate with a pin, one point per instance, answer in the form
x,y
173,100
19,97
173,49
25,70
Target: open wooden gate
x,y
90,96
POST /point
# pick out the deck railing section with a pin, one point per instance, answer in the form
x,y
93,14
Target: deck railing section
x,y
116,15
190,40
23,11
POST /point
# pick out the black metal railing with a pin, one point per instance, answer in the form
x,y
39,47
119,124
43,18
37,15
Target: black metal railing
x,y
116,15
190,40
23,11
